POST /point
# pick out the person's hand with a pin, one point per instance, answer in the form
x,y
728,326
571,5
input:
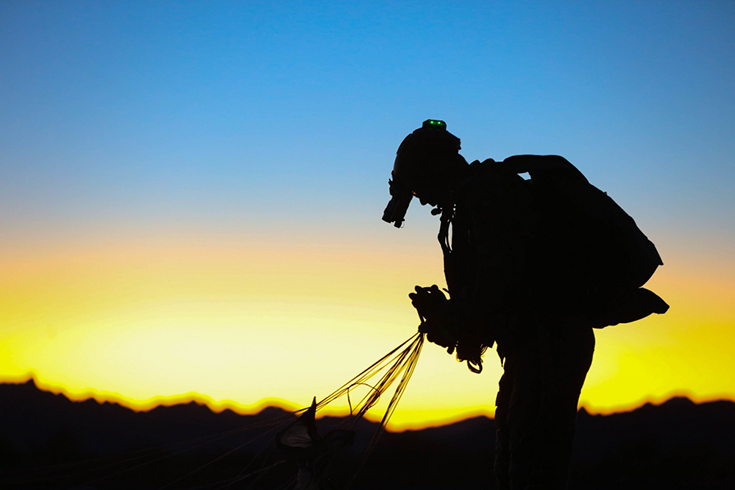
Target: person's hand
x,y
433,308
429,302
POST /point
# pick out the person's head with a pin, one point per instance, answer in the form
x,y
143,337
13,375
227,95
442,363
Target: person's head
x,y
427,163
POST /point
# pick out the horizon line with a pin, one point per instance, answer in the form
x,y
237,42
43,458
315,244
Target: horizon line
x,y
142,406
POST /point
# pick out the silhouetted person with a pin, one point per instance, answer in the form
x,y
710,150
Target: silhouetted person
x,y
531,266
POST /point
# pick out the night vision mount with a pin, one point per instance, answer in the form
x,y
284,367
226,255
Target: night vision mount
x,y
434,124
401,196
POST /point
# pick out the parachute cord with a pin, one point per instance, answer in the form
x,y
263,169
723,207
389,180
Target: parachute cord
x,y
411,357
349,401
366,374
398,363
474,366
446,220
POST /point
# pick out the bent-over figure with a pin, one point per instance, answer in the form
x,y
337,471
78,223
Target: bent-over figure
x,y
531,266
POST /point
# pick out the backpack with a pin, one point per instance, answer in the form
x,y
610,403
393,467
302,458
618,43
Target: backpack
x,y
589,250
579,252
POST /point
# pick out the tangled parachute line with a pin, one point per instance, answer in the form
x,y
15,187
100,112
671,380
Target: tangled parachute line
x,y
401,360
300,440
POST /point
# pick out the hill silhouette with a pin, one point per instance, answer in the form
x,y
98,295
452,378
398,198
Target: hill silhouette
x,y
50,442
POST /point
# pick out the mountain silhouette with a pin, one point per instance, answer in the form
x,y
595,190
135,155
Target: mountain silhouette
x,y
50,442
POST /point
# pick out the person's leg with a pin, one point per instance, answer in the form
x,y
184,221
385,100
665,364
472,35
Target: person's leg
x,y
547,376
572,357
502,433
526,410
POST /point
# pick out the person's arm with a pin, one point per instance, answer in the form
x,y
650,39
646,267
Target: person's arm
x,y
541,165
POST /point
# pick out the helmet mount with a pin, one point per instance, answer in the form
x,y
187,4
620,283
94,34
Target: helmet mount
x,y
434,124
424,161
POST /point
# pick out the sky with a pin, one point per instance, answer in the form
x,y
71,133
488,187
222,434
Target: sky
x,y
191,192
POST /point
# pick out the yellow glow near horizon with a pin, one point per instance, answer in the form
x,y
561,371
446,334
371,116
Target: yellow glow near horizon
x,y
241,326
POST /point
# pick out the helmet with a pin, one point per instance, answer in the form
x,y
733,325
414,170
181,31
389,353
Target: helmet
x,y
425,160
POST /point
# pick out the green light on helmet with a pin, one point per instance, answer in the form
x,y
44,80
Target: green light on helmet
x,y
434,123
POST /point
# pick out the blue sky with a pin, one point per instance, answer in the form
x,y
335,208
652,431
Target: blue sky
x,y
287,95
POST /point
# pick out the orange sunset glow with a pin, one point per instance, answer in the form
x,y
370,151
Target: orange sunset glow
x,y
191,318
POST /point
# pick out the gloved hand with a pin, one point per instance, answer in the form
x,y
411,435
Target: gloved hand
x,y
436,322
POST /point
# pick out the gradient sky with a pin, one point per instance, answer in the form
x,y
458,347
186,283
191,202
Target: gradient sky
x,y
191,192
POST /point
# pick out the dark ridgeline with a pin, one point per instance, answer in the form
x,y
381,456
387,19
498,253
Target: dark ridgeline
x,y
50,442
